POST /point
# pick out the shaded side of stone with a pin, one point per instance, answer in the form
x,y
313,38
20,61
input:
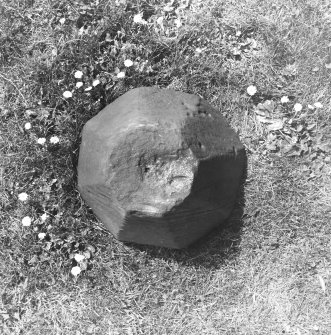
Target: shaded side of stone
x,y
209,204
208,134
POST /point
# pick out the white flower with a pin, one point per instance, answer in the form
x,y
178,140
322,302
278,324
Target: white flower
x,y
160,20
297,107
168,8
318,105
96,82
198,50
79,84
81,31
178,23
88,89
41,236
75,271
27,126
284,99
128,62
121,75
62,20
138,18
78,74
79,258
26,221
23,196
54,139
41,140
44,217
67,94
251,90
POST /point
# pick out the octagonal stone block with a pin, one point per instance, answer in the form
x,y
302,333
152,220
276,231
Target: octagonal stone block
x,y
160,167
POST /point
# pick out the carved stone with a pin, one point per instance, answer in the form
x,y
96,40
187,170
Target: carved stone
x,y
160,167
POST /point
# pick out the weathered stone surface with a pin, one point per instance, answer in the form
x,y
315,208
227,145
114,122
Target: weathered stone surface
x,y
160,167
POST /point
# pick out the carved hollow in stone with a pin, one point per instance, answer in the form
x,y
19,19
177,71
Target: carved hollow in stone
x,y
160,167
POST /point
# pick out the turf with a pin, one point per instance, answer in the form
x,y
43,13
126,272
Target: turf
x,y
268,270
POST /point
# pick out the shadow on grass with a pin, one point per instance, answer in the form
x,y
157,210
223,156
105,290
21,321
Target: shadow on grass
x,y
212,250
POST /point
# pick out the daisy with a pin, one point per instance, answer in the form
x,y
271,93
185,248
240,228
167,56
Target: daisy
x,y
54,139
26,221
79,258
96,82
128,63
41,140
41,236
178,23
251,90
44,217
138,18
168,8
318,105
79,84
23,196
67,94
297,107
284,100
78,74
75,271
121,75
27,126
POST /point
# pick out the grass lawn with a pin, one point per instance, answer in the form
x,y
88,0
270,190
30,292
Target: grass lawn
x,y
268,270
